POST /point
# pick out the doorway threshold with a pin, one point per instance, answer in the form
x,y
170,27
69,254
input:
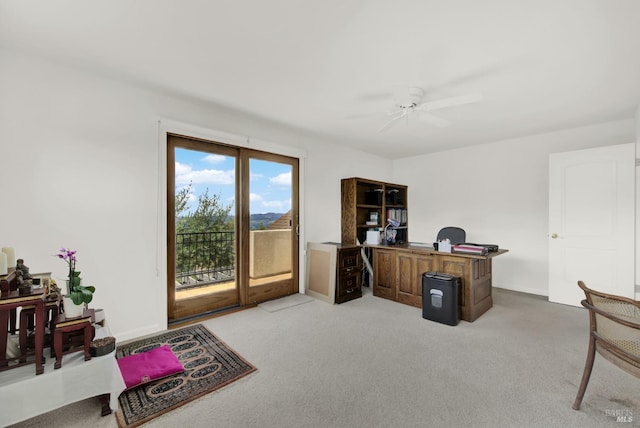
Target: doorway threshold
x,y
193,319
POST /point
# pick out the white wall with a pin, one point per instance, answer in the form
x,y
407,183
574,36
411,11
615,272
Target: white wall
x,y
637,140
328,170
498,193
79,164
638,123
80,168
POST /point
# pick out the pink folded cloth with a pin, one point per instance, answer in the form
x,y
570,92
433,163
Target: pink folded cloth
x,y
148,366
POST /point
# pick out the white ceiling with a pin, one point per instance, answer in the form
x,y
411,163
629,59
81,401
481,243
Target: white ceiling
x,y
541,65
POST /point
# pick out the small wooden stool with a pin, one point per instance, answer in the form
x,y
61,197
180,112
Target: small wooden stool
x,y
27,323
9,301
64,325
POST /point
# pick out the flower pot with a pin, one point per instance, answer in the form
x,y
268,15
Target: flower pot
x,y
71,310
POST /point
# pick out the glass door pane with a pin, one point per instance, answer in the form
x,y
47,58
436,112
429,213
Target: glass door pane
x,y
272,235
204,230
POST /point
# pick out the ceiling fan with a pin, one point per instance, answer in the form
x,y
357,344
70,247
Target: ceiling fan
x,y
408,102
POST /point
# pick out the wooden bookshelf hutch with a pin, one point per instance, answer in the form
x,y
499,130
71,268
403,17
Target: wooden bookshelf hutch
x,y
365,201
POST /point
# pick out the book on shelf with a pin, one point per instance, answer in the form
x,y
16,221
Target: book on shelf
x,y
399,214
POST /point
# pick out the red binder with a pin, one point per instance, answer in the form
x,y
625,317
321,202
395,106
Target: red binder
x,y
469,249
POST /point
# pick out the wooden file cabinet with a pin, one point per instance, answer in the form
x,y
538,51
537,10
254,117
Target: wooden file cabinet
x,y
348,273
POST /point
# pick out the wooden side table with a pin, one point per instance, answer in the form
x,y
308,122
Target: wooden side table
x,y
12,300
64,325
27,322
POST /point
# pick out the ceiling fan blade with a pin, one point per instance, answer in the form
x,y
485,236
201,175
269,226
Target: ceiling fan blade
x,y
393,120
433,120
450,102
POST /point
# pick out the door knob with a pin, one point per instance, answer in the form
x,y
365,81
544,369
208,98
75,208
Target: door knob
x,y
554,235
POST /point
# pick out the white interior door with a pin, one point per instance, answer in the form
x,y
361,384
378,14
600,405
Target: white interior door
x,y
592,222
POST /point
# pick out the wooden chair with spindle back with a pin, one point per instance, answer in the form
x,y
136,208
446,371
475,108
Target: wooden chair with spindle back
x,y
614,331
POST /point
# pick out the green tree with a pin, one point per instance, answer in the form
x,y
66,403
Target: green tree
x,y
210,214
182,197
204,241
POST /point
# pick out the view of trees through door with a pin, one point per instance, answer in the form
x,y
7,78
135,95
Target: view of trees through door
x,y
232,219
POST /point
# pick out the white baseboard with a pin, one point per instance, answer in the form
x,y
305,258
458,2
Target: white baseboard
x,y
535,291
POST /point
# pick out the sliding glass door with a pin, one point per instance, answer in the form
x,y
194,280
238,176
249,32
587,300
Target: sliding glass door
x,y
273,249
201,202
232,216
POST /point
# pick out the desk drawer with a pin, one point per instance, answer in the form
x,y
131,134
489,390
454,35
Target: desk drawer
x,y
349,259
348,284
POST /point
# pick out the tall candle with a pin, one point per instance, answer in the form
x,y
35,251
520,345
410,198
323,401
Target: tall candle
x,y
11,256
3,263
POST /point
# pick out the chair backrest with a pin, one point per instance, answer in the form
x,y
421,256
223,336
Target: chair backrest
x,y
615,324
455,234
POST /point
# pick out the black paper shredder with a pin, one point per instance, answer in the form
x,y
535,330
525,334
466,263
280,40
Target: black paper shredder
x,y
441,298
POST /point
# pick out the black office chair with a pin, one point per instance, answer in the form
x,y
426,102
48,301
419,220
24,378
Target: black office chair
x,y
456,235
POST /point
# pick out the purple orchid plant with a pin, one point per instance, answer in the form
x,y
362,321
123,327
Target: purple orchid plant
x,y
79,293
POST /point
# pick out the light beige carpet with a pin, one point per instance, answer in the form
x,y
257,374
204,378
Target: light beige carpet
x,y
285,302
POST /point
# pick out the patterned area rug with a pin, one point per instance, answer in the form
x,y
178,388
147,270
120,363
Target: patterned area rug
x,y
209,365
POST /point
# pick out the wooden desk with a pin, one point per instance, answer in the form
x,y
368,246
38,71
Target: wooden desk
x,y
398,269
9,301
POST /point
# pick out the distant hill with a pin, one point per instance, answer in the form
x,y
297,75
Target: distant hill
x,y
262,221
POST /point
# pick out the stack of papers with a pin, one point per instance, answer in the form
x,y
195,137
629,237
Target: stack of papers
x,y
469,249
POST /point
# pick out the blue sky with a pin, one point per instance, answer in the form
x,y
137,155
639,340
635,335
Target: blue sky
x,y
270,186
